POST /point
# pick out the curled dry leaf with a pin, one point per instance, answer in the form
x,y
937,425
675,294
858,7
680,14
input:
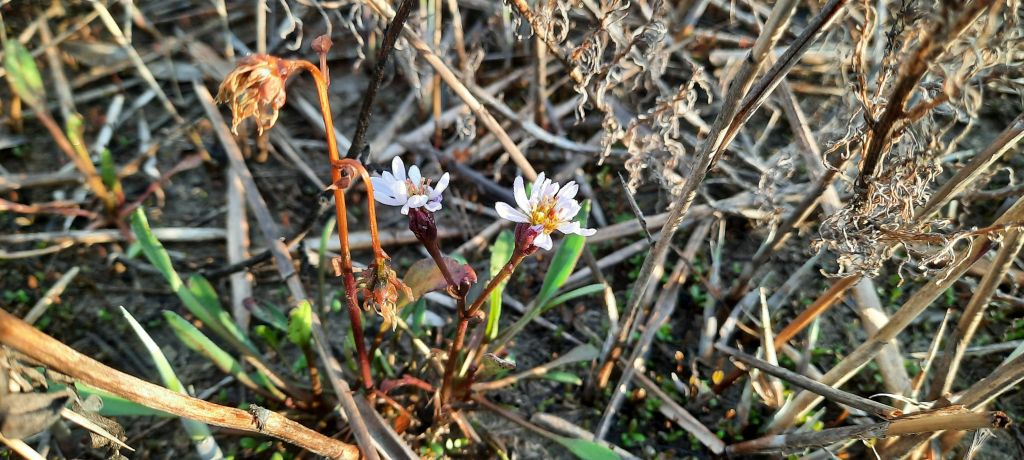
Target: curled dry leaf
x,y
424,276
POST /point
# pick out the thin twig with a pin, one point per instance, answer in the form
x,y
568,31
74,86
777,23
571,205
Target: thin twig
x,y
358,148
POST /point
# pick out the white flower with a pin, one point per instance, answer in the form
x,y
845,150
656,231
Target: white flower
x,y
396,188
549,207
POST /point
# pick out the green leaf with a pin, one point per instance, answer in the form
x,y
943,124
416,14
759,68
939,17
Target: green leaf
x,y
108,172
74,128
204,292
199,432
22,73
564,377
564,261
270,315
589,289
196,341
501,252
300,323
217,320
587,450
112,405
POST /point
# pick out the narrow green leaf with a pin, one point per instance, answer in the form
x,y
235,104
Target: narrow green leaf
x,y
199,432
300,324
564,261
112,405
587,450
74,128
22,73
564,377
322,263
195,340
157,255
501,252
270,315
204,292
583,291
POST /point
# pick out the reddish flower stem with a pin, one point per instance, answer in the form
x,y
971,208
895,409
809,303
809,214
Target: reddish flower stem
x,y
345,263
465,315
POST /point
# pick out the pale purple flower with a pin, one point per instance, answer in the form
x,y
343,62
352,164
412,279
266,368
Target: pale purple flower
x,y
408,190
549,207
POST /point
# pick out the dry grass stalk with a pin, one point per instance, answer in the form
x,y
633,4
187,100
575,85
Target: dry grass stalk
x,y
919,422
460,90
49,352
708,152
1004,378
882,410
956,344
934,42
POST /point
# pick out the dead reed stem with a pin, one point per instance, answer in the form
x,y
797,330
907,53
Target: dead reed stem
x,y
912,423
882,410
24,338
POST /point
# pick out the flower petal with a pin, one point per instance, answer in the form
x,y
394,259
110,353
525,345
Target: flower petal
x,y
543,241
569,227
551,190
416,201
586,231
380,185
441,185
400,190
414,175
509,213
389,200
433,206
398,167
569,190
519,190
538,185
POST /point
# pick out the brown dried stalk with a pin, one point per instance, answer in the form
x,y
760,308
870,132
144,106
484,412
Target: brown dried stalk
x,y
283,261
709,150
957,418
1001,380
460,90
804,319
933,44
949,364
882,410
49,352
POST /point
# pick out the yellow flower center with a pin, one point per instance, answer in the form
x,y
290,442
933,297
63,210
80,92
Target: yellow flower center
x,y
545,214
417,189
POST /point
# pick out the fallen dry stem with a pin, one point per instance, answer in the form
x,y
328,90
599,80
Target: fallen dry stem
x,y
882,410
49,352
913,423
949,364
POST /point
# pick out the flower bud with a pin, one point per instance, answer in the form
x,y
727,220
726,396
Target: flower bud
x,y
421,223
525,234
